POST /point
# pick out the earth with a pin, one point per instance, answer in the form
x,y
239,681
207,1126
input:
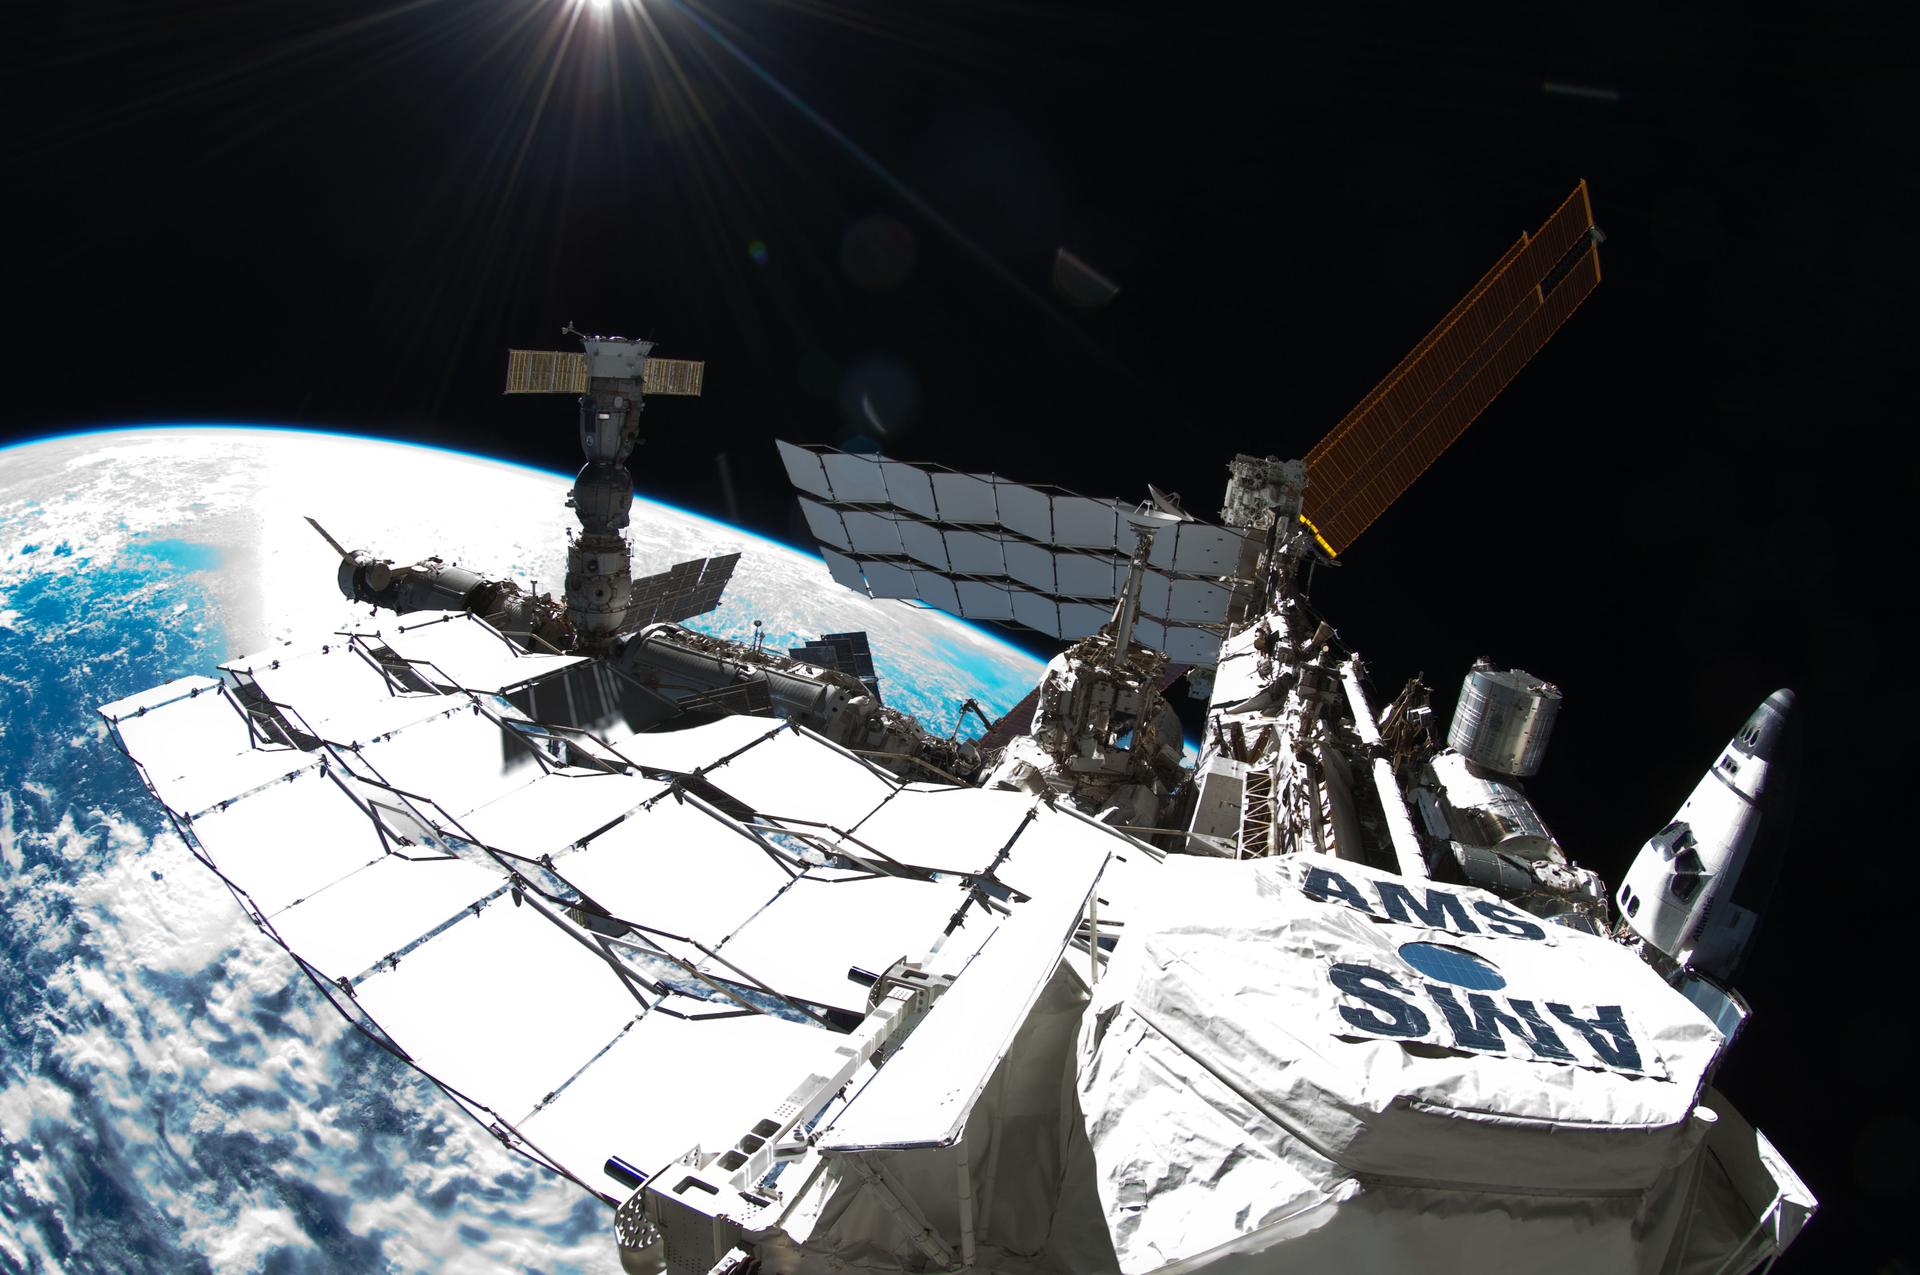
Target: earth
x,y
172,1094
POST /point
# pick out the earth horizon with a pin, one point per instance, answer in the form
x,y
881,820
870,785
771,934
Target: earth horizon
x,y
172,1095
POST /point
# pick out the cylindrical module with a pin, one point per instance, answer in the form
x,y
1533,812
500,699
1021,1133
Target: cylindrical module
x,y
599,561
602,495
660,656
599,585
432,585
1504,719
606,433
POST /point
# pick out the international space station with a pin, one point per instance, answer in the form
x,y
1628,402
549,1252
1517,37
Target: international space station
x,y
796,984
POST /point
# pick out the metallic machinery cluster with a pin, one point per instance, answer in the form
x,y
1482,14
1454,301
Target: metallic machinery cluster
x,y
648,669
1334,997
1294,756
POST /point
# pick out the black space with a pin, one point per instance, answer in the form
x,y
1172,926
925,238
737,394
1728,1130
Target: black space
x,y
340,214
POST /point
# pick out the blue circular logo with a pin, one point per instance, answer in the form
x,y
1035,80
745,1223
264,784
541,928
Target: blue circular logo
x,y
1452,965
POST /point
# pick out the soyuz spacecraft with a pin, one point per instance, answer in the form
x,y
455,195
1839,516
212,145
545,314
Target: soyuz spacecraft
x,y
796,984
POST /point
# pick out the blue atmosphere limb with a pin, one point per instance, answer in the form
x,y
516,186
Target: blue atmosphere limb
x,y
727,528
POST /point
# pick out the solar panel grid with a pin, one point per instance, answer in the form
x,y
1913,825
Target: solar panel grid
x,y
681,592
673,376
983,600
1399,443
854,650
889,579
1407,420
804,470
1413,356
937,590
817,653
870,532
824,522
985,548
964,498
1185,610
910,487
567,372
431,948
1391,436
546,372
1429,436
1465,329
1361,440
692,605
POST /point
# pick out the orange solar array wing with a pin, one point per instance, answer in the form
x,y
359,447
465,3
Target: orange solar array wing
x,y
566,372
1373,455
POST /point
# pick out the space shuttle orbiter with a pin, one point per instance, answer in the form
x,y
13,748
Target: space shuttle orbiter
x,y
1695,892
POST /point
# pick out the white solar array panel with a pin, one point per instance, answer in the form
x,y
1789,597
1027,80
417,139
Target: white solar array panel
x,y
503,1006
1186,548
1069,619
958,830
1182,601
931,494
461,650
899,492
660,871
630,953
797,777
373,912
984,548
344,698
669,750
669,1083
194,743
290,840
825,924
561,807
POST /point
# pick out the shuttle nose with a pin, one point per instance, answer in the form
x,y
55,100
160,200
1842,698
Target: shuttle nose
x,y
1762,733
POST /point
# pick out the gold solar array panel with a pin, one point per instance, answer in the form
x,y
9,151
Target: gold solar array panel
x,y
1373,455
1441,420
673,376
561,372
546,372
1322,450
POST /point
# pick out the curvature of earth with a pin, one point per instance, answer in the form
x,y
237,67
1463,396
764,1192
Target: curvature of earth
x,y
173,1097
